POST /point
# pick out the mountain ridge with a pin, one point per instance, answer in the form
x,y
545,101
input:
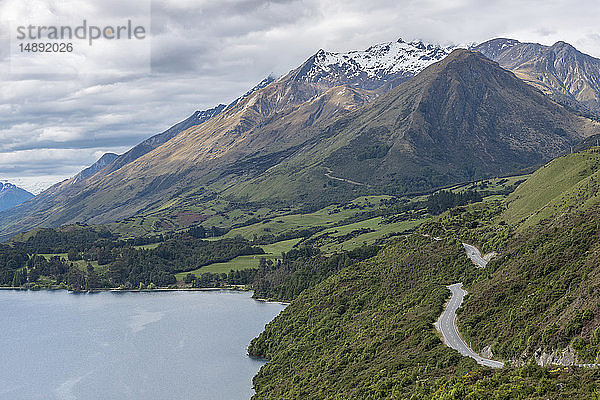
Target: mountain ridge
x,y
12,195
277,143
560,70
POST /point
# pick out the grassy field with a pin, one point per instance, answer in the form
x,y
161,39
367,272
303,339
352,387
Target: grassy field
x,y
551,186
492,185
273,252
329,240
81,264
326,217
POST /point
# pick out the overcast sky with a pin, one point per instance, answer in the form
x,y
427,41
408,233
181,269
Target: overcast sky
x,y
209,52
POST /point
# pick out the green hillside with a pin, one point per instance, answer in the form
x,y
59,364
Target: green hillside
x,y
366,332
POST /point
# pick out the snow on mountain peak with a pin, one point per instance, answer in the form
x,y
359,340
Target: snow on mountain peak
x,y
385,58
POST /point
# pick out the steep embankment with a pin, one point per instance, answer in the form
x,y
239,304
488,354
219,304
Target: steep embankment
x,y
540,299
366,332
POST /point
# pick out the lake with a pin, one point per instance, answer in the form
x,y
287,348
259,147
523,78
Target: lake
x,y
129,345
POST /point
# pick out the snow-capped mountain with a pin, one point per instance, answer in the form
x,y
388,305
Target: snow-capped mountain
x,y
373,67
11,195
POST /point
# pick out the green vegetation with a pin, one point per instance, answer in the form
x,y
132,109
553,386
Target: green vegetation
x,y
554,187
100,262
366,281
301,269
371,231
272,252
443,200
364,330
542,293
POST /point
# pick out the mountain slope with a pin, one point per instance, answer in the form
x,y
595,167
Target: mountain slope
x,y
560,70
11,195
177,165
460,119
366,331
220,145
102,162
150,144
540,298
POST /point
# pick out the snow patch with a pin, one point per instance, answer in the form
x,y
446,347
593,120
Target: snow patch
x,y
385,58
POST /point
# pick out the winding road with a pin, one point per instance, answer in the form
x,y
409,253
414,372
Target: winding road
x,y
475,256
328,174
446,324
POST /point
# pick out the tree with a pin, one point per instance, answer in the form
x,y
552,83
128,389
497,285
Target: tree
x,y
75,278
92,281
104,256
19,277
73,255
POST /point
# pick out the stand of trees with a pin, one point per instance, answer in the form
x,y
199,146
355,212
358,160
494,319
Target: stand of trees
x,y
302,268
444,200
119,263
208,279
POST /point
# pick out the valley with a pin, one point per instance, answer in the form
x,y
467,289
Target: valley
x,y
360,187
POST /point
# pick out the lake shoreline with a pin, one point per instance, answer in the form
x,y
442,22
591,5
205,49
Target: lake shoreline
x,y
100,290
117,290
114,339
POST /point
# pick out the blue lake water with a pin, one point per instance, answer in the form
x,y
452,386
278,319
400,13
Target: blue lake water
x,y
124,345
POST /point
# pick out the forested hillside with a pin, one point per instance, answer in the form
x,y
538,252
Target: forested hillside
x,y
367,330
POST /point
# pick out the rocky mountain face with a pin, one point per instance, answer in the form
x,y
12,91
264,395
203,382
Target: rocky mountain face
x,y
11,195
379,65
461,118
561,71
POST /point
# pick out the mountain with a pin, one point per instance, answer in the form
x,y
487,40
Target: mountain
x,y
150,144
311,142
270,116
105,160
11,195
379,65
461,119
265,82
568,75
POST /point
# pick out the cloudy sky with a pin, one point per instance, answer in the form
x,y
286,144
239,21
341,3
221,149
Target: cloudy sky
x,y
200,53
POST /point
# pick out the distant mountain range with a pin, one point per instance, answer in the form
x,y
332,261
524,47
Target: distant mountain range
x,y
396,118
11,195
569,76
